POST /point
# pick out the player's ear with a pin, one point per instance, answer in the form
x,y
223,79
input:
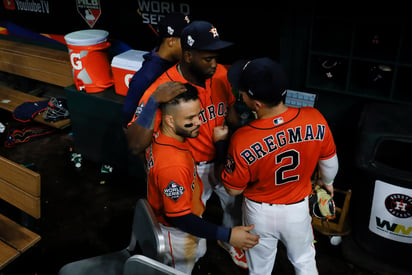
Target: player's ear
x,y
187,56
258,104
169,120
170,41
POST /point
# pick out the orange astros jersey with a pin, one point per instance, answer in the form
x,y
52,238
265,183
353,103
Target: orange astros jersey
x,y
273,159
214,98
173,186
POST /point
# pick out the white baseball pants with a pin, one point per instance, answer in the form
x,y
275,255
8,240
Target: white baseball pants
x,y
290,224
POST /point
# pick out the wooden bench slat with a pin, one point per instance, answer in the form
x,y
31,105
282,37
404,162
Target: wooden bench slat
x,y
17,236
43,71
44,76
49,55
20,187
36,67
34,50
36,62
19,198
25,49
22,177
7,254
10,99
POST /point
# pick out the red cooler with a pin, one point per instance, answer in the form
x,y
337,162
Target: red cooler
x,y
124,66
90,60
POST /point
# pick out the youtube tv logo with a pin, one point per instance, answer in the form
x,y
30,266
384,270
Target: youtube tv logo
x,y
9,4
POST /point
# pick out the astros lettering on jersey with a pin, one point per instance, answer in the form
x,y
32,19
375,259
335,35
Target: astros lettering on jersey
x,y
280,153
215,98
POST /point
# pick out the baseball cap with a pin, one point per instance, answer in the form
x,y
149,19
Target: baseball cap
x,y
202,35
262,78
172,24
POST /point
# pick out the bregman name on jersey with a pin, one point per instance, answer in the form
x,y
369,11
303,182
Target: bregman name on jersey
x,y
271,143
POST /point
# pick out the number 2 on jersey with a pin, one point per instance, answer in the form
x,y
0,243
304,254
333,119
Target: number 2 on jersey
x,y
294,160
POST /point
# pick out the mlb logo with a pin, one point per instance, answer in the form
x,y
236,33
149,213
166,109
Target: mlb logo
x,y
90,11
278,120
124,66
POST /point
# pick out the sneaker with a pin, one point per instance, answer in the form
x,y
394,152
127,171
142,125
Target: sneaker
x,y
238,256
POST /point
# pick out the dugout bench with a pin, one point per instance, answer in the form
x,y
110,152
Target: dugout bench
x,y
20,189
33,61
19,186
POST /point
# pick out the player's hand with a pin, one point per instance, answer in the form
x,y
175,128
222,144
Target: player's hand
x,y
167,91
242,239
220,133
328,188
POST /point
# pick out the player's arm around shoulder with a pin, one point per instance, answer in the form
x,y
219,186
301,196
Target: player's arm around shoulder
x,y
139,132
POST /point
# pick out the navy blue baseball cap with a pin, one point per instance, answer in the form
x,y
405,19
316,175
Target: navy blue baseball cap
x,y
172,24
203,36
261,78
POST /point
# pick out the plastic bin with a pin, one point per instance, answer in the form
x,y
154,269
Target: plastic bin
x,y
382,192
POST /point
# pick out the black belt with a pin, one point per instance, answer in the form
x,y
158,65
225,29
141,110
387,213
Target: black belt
x,y
259,202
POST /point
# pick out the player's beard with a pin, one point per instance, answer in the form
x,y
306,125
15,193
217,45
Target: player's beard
x,y
184,132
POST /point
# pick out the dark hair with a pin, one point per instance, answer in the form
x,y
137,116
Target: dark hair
x,y
190,94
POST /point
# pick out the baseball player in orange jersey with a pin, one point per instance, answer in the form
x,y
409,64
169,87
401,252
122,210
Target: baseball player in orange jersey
x,y
271,160
200,44
175,190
